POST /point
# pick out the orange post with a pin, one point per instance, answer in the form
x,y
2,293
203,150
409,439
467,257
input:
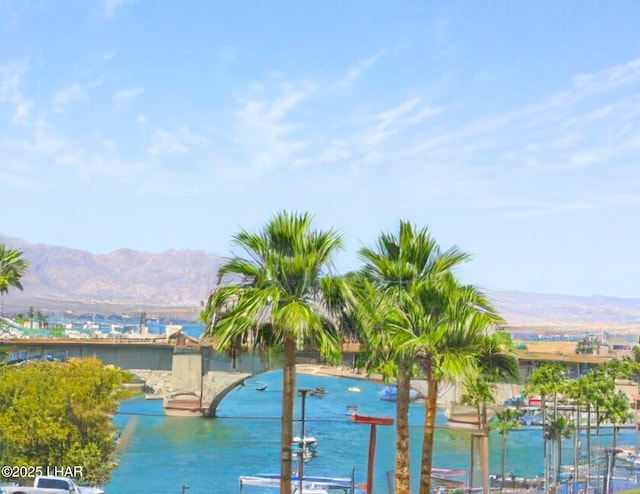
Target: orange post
x,y
373,421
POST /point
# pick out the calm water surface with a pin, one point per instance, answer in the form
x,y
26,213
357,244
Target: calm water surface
x,y
161,454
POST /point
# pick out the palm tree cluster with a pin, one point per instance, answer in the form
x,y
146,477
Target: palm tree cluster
x,y
593,392
407,308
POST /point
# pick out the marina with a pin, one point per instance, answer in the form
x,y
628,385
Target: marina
x,y
163,453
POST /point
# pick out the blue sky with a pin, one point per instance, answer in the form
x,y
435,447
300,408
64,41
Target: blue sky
x,y
510,129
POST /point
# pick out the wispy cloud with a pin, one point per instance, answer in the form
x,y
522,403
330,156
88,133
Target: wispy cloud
x,y
355,72
11,93
71,93
124,95
267,128
178,142
610,78
109,7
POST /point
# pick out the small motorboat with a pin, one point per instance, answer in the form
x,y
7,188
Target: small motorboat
x,y
309,441
306,448
318,392
390,393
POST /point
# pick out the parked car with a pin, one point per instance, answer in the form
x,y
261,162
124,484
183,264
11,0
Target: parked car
x,y
51,485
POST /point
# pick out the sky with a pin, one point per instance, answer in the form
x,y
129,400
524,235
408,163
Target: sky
x,y
510,129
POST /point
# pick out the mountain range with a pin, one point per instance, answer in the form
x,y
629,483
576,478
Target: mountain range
x,y
65,279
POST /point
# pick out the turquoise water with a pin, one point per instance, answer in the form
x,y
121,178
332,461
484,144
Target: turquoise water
x,y
161,454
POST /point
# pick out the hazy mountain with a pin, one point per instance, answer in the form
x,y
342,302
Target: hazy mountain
x,y
61,278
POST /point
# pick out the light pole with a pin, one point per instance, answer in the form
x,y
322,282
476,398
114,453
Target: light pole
x,y
303,444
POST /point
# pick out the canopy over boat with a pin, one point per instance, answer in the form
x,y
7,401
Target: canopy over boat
x,y
390,393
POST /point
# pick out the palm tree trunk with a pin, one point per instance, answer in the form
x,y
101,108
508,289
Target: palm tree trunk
x,y
558,463
559,445
576,446
402,475
286,425
545,445
484,450
588,446
503,453
429,433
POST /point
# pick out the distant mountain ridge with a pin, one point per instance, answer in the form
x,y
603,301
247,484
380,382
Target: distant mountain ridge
x,y
61,278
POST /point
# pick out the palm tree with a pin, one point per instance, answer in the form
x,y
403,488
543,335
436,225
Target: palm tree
x,y
546,380
556,430
479,391
506,421
283,288
496,364
451,346
12,269
398,267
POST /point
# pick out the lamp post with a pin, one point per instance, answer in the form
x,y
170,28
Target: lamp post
x,y
303,444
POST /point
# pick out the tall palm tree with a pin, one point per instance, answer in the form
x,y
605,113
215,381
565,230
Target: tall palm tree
x,y
12,269
399,266
283,288
496,364
451,346
506,421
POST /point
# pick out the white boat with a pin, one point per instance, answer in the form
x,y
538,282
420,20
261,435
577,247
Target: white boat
x,y
309,441
309,484
306,448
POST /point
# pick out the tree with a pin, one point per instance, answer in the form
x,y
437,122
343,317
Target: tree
x,y
12,269
556,430
54,414
479,392
506,421
401,268
452,348
546,380
496,364
283,288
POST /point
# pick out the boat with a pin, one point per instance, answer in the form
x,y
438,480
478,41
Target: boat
x,y
153,396
353,389
307,447
318,392
531,418
629,454
390,393
309,484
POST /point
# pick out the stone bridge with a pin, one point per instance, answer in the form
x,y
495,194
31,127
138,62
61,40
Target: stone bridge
x,y
190,388
190,379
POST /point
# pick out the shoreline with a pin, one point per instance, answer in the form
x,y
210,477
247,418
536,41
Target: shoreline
x,y
337,371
